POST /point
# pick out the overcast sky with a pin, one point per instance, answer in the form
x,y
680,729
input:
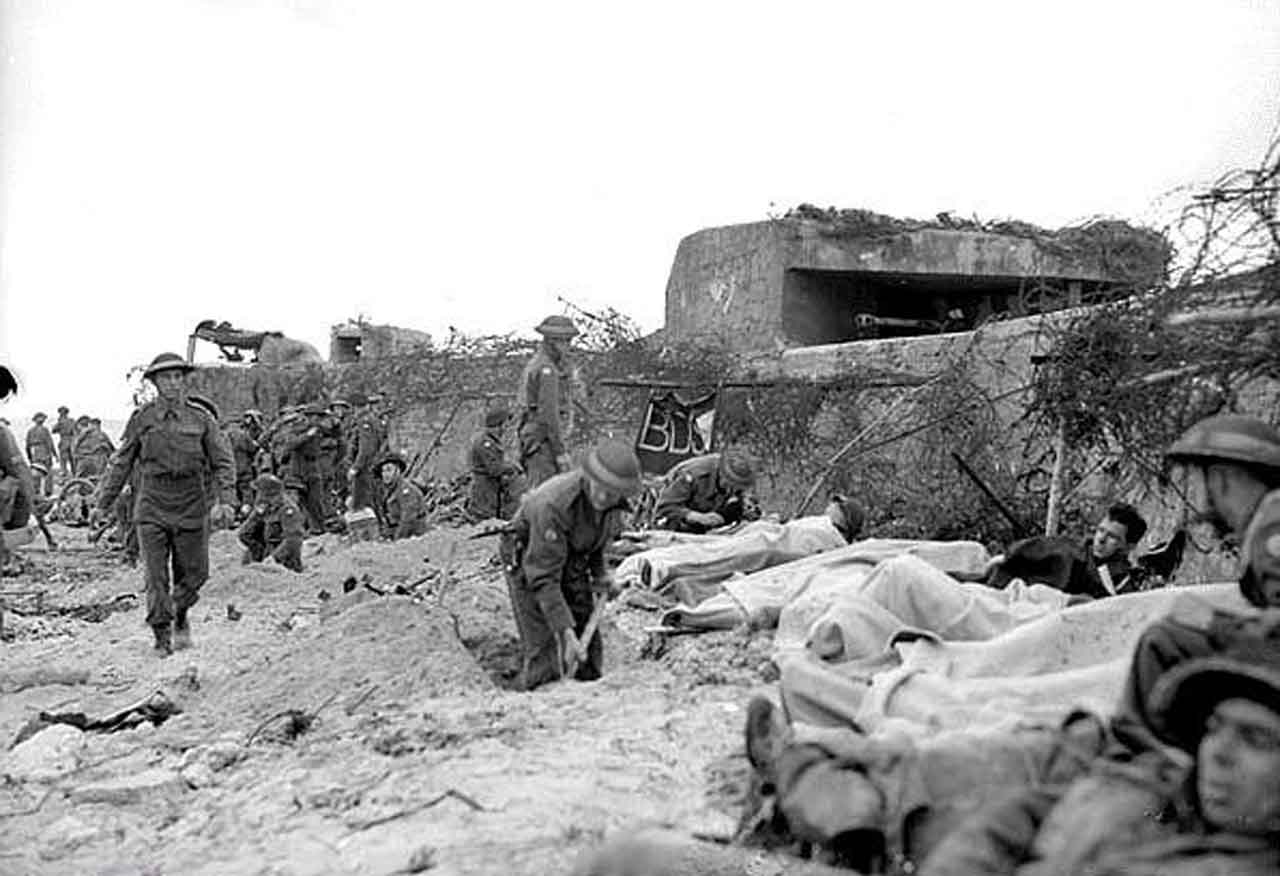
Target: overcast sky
x,y
287,164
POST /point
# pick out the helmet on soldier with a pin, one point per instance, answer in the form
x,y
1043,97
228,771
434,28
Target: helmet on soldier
x,y
557,327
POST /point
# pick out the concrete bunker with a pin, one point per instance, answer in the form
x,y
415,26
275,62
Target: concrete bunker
x,y
834,306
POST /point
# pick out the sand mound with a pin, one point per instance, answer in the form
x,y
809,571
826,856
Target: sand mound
x,y
400,647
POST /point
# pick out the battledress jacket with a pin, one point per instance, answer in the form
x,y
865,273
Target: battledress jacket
x,y
560,539
405,510
172,446
693,485
543,400
40,445
1134,819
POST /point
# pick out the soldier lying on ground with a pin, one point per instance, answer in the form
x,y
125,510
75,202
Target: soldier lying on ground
x,y
707,492
1210,803
274,528
689,571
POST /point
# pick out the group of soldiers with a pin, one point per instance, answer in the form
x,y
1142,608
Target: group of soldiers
x,y
72,448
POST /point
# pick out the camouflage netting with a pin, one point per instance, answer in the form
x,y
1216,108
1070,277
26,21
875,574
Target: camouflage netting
x,y
1123,251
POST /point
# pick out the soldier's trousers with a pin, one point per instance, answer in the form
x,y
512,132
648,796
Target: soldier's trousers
x,y
539,646
186,553
315,504
65,461
489,498
1163,645
539,464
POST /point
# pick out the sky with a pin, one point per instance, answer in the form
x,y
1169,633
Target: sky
x,y
289,164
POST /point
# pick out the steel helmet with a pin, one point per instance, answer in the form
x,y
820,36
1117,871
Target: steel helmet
x,y
1228,438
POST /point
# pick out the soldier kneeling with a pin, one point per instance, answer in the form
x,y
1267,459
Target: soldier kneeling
x,y
273,529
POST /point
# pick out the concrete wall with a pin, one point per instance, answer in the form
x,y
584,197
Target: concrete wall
x,y
724,286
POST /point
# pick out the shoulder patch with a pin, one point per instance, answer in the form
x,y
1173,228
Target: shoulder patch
x,y
688,478
406,492
550,535
547,369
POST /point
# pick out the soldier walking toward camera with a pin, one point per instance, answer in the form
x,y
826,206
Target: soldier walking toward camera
x,y
544,402
171,444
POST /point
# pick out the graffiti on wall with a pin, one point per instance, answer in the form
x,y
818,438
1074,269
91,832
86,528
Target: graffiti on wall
x,y
674,430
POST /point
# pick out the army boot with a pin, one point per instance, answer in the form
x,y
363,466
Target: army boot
x,y
181,632
164,640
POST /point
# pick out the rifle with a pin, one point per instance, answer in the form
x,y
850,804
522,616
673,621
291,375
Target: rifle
x,y
1020,528
421,457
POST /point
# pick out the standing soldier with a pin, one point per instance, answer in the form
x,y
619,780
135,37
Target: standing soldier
x,y
543,399
40,451
303,449
273,529
171,443
363,446
404,513
556,571
65,429
492,477
244,449
340,412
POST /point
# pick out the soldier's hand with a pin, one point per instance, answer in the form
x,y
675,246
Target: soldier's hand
x,y
245,510
572,653
563,462
351,473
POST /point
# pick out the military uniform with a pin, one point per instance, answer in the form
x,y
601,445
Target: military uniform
x,y
555,567
695,485
171,445
544,404
17,492
65,429
302,446
365,444
1175,639
492,478
274,528
92,451
404,510
245,451
41,451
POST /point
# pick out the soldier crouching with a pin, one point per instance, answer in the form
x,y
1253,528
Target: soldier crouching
x,y
273,529
555,562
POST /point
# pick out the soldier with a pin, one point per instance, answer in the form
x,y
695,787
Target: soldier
x,y
707,492
40,451
65,429
17,490
544,402
556,571
273,529
333,460
363,444
340,412
245,450
492,477
92,449
303,448
404,513
1236,463
171,443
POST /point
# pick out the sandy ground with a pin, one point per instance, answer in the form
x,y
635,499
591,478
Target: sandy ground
x,y
419,757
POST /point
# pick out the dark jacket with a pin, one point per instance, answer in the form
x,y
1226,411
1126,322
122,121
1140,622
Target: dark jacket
x,y
172,446
560,539
543,401
694,485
